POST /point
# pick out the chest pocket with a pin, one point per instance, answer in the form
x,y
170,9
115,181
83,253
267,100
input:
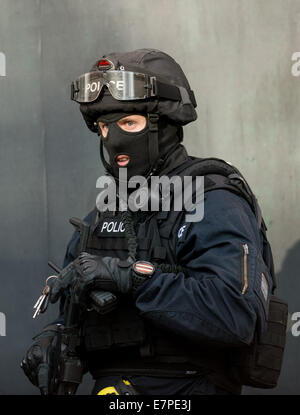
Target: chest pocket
x,y
110,238
149,237
107,237
110,234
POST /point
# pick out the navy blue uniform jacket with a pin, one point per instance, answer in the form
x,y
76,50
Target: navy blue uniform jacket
x,y
224,295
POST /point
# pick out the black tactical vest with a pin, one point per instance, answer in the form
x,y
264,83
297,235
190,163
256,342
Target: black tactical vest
x,y
122,341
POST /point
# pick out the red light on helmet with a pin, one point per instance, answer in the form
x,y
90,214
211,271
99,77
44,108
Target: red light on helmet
x,y
105,65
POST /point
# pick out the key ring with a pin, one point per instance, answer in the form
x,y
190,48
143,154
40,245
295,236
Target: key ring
x,y
51,276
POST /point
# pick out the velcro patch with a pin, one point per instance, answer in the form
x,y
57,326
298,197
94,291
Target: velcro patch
x,y
111,228
143,267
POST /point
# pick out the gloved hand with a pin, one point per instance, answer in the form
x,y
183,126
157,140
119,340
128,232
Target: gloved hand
x,y
38,362
109,274
91,272
98,273
63,282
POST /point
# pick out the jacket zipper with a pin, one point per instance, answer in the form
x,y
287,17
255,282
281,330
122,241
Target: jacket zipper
x,y
246,252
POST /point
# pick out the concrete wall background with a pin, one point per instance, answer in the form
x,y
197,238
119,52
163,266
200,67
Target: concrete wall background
x,y
237,57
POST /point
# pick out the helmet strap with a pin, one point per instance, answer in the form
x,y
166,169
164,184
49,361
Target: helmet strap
x,y
155,160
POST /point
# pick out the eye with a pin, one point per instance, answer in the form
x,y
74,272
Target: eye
x,y
130,123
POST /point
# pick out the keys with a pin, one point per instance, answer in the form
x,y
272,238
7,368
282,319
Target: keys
x,y
42,302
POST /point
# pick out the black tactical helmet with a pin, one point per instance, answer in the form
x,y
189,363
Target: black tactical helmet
x,y
175,99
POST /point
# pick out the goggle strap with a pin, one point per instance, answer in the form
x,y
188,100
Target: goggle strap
x,y
175,93
187,97
167,91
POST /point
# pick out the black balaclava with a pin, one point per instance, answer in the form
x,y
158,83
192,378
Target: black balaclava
x,y
149,152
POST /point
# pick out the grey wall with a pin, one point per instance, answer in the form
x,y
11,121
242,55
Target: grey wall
x,y
237,56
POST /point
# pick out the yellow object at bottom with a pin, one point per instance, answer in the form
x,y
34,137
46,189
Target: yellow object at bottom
x,y
111,390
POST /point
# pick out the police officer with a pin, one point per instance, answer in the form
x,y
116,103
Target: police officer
x,y
190,293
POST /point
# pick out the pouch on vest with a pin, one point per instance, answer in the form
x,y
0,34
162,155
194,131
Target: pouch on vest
x,y
120,328
259,364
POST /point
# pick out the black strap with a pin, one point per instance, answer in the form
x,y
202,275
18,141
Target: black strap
x,y
167,91
153,141
173,93
210,166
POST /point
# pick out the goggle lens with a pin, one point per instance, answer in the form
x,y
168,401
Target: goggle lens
x,y
123,85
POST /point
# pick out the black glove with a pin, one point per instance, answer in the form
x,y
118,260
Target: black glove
x,y
38,361
88,273
97,273
110,274
92,272
63,282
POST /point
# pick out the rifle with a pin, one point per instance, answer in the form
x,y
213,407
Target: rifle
x,y
68,367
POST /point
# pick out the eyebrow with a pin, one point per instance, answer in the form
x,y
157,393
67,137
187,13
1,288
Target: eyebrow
x,y
126,119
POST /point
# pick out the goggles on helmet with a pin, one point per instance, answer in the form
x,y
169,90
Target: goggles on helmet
x,y
123,86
